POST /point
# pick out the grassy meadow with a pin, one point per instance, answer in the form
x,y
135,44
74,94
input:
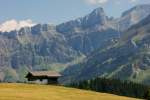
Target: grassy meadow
x,y
11,91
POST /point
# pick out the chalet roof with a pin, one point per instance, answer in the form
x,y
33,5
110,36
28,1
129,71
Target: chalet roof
x,y
45,73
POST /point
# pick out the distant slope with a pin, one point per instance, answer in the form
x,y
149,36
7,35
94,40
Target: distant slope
x,y
139,30
133,16
46,92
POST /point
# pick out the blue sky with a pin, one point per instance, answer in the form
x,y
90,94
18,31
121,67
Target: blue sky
x,y
58,11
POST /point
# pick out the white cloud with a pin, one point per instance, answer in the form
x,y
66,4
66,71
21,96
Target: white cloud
x,y
15,25
97,1
133,0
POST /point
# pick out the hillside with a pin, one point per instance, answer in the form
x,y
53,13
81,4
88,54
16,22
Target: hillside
x,y
45,92
128,59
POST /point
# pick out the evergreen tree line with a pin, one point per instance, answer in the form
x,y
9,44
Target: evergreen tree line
x,y
114,86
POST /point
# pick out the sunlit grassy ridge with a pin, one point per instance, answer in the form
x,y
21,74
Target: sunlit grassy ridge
x,y
47,92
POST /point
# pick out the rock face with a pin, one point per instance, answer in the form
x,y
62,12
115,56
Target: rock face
x,y
90,32
41,40
33,48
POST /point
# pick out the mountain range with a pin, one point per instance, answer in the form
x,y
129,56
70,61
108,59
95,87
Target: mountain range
x,y
91,46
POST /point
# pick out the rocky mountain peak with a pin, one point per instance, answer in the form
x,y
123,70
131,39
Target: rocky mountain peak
x,y
139,8
96,18
98,11
133,16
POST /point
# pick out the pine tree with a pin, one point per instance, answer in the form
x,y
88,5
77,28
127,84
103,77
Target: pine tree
x,y
147,95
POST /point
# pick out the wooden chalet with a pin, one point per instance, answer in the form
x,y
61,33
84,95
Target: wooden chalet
x,y
43,77
1,76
